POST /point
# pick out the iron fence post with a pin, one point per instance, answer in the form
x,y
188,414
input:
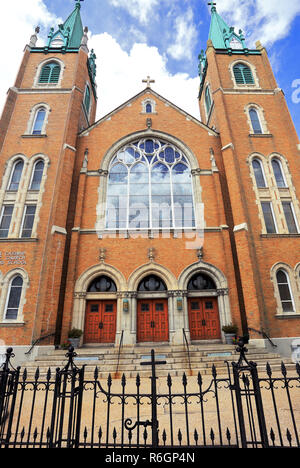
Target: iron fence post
x,y
259,405
154,401
237,389
9,379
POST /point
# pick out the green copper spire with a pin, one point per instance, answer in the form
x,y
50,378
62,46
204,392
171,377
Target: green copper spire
x,y
221,35
69,34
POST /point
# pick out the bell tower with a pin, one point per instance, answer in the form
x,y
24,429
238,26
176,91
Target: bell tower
x,y
240,98
53,99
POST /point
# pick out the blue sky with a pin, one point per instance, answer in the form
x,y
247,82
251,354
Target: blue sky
x,y
134,38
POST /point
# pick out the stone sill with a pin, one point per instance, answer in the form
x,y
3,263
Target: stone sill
x,y
34,136
260,135
18,239
284,236
287,316
11,324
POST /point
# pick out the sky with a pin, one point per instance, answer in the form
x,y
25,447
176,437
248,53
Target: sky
x,y
161,38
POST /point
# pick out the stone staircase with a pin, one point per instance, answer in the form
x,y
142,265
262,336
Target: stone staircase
x,y
202,358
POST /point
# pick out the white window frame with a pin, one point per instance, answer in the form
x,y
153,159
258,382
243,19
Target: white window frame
x,y
23,219
32,174
275,158
273,214
259,119
263,172
294,215
290,290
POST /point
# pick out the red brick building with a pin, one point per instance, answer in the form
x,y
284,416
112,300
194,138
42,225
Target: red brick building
x,y
148,221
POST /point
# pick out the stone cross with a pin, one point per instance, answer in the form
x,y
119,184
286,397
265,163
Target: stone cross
x,y
148,81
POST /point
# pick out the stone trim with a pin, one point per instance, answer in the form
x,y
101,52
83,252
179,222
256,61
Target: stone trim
x,y
106,160
23,196
294,288
262,120
5,288
254,74
32,116
38,85
272,193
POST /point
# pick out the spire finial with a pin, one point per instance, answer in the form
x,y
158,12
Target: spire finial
x,y
78,4
213,6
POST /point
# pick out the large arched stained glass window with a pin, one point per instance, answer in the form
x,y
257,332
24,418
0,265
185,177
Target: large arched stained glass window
x,y
149,187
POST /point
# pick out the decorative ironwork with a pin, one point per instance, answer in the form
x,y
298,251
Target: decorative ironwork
x,y
66,409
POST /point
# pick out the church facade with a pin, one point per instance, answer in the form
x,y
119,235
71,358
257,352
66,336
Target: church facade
x,y
148,221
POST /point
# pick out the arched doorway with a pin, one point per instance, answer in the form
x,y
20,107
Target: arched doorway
x,y
101,312
152,310
203,311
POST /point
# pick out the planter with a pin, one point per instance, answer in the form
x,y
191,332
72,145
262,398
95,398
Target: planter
x,y
75,342
229,337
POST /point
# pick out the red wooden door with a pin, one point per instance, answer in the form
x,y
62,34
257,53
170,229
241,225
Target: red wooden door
x,y
152,320
204,319
100,322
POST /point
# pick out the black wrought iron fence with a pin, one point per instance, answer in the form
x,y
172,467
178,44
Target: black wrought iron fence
x,y
71,409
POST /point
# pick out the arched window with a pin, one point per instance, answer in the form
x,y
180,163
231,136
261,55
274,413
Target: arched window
x,y
87,100
278,173
37,174
14,298
243,74
152,283
16,176
148,108
259,173
285,293
255,121
39,120
208,100
102,284
149,187
50,73
200,282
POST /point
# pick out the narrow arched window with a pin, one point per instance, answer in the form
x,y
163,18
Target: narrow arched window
x,y
255,121
285,293
16,176
38,124
278,173
37,174
243,74
208,100
87,100
14,298
50,73
148,108
259,173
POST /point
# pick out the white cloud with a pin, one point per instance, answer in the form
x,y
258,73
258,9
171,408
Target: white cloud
x,y
120,75
264,20
140,9
186,36
16,24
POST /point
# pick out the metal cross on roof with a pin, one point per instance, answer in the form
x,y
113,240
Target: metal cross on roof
x,y
148,81
212,4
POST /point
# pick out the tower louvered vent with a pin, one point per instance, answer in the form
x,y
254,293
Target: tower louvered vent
x,y
50,73
243,74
